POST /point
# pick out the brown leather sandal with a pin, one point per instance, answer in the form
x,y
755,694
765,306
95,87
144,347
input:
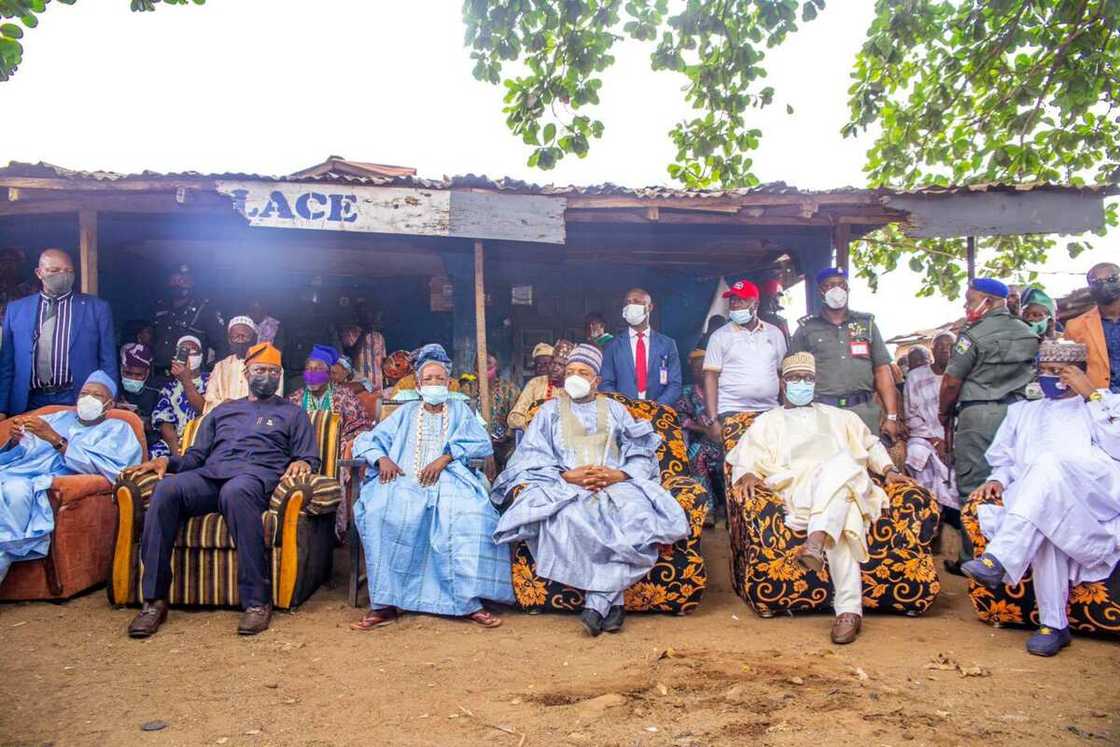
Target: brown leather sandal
x,y
376,619
485,618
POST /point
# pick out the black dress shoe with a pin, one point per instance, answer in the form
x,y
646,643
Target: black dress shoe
x,y
591,620
612,623
255,620
148,620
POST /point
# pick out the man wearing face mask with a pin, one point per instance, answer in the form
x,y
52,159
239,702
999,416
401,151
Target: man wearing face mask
x,y
182,313
227,380
593,510
742,360
818,459
423,515
643,363
139,395
69,442
53,340
243,449
853,362
1038,311
1099,327
182,399
540,388
991,366
1056,465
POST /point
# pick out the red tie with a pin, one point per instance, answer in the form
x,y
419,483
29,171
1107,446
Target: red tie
x,y
640,362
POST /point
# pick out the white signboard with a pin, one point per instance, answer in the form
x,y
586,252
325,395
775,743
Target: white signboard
x,y
399,210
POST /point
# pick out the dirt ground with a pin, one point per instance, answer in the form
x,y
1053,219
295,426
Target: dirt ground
x,y
69,676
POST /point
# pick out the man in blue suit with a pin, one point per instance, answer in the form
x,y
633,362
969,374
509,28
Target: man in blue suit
x,y
642,363
53,341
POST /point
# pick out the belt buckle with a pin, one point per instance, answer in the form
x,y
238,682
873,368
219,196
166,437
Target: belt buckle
x,y
841,401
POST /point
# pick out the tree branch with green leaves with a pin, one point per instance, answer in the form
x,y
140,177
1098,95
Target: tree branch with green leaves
x,y
27,12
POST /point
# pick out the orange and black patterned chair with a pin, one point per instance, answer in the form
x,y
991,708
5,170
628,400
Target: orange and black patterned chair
x,y
298,532
677,582
82,540
900,576
1094,608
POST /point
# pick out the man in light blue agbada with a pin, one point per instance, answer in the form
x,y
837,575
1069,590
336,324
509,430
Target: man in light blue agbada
x,y
424,516
42,448
593,510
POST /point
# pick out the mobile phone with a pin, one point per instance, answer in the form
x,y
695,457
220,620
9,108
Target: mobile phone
x,y
182,353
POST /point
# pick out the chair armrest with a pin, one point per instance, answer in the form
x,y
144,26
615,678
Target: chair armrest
x,y
73,488
691,495
322,495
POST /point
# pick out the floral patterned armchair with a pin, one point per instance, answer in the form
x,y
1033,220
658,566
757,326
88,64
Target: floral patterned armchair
x,y
900,575
677,582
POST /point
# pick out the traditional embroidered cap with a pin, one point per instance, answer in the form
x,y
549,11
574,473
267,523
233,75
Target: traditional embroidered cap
x,y
831,272
263,352
344,361
562,349
324,353
799,363
105,380
245,320
431,353
744,289
189,338
990,286
136,355
1037,296
588,355
542,348
1062,351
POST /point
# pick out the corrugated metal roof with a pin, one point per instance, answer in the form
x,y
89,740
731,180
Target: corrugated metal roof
x,y
473,181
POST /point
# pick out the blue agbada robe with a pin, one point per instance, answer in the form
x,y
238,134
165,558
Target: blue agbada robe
x,y
597,542
430,549
28,468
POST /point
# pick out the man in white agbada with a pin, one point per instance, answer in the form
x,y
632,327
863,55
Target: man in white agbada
x,y
1056,464
816,458
925,448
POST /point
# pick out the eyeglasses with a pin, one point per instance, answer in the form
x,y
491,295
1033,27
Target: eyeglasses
x,y
1113,278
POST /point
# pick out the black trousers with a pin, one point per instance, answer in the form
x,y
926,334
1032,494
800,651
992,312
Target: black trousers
x,y
240,499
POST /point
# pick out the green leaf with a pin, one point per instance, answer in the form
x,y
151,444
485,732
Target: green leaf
x,y
11,31
549,132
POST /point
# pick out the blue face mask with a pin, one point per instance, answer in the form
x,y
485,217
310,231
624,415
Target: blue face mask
x,y
1052,386
742,316
434,394
799,393
133,385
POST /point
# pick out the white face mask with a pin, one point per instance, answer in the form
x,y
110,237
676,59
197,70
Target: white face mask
x,y
742,316
577,387
634,313
836,298
89,408
194,362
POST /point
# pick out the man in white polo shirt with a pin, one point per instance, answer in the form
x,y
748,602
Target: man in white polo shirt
x,y
742,360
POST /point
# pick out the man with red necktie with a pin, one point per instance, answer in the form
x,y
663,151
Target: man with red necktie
x,y
642,364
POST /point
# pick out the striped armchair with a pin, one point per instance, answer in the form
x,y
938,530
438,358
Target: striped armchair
x,y
298,531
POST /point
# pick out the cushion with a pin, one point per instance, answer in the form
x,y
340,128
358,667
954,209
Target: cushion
x,y
210,532
1094,608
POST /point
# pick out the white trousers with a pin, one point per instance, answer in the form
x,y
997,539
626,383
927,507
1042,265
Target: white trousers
x,y
1019,545
843,552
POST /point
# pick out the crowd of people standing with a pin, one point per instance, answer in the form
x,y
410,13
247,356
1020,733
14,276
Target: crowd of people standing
x,y
831,422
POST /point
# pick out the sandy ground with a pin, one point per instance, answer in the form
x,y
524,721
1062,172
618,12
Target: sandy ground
x,y
69,676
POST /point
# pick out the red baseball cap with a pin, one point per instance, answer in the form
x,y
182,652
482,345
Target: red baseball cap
x,y
744,289
772,287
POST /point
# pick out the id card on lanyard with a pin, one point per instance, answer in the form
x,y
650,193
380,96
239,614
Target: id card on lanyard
x,y
663,375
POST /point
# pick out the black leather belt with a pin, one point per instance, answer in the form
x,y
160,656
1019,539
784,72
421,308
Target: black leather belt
x,y
845,400
1009,399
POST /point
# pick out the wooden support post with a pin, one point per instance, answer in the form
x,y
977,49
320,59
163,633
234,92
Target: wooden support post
x,y
480,330
87,246
971,258
841,238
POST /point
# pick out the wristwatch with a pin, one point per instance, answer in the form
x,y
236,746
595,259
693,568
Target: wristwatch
x,y
892,417
1095,396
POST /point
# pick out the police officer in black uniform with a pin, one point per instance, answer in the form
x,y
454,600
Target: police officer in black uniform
x,y
182,314
853,363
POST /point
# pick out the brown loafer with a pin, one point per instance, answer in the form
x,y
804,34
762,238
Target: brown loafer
x,y
812,552
148,620
255,620
845,628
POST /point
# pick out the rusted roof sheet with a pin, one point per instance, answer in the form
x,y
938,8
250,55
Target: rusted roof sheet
x,y
339,166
